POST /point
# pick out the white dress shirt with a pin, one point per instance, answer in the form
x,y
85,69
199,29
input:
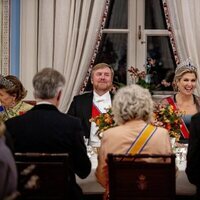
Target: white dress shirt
x,y
102,103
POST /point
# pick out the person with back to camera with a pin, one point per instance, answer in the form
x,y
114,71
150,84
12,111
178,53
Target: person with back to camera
x,y
91,104
185,79
45,129
132,109
8,171
193,154
12,93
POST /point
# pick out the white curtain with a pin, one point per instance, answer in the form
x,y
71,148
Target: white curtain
x,y
60,34
184,16
28,43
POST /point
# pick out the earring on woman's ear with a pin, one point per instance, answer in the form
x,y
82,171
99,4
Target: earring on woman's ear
x,y
13,103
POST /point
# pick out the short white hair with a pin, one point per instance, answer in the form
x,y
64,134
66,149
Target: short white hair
x,y
132,102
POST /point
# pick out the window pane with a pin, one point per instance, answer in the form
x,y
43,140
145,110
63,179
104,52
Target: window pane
x,y
154,15
113,50
117,15
160,62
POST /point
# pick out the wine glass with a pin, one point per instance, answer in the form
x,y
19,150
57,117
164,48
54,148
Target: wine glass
x,y
90,151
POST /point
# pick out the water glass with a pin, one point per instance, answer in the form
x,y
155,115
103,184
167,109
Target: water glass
x,y
90,151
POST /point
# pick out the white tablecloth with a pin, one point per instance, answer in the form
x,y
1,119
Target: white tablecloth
x,y
183,186
90,184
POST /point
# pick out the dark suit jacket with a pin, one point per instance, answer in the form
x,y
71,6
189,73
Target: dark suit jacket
x,y
193,156
45,129
81,107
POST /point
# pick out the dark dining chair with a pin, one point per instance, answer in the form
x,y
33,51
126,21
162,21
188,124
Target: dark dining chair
x,y
131,177
42,176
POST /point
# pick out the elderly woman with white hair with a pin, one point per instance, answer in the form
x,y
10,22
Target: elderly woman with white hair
x,y
132,109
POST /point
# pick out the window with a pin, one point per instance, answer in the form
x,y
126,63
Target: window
x,y
136,35
113,48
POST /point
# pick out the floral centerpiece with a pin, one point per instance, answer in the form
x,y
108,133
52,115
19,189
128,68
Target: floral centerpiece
x,y
164,116
103,121
168,117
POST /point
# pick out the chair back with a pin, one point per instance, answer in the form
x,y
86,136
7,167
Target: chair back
x,y
141,177
31,102
42,176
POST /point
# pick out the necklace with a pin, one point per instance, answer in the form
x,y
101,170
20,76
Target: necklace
x,y
188,108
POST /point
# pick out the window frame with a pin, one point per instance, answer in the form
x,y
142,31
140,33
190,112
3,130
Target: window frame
x,y
137,35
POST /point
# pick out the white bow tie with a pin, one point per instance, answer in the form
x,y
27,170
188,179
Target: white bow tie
x,y
100,99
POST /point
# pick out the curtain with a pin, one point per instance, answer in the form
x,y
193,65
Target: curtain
x,y
28,43
59,34
184,24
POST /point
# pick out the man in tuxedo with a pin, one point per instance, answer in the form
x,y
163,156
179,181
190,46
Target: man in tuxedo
x,y
92,103
193,155
45,129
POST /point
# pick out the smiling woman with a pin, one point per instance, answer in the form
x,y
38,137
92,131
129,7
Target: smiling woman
x,y
11,94
185,83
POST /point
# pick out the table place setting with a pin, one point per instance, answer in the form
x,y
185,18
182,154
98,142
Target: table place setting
x,y
179,149
183,186
90,185
181,153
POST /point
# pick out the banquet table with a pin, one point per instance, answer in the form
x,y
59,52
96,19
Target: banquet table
x,y
90,186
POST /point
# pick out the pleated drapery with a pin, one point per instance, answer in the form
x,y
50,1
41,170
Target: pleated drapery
x,y
59,34
184,18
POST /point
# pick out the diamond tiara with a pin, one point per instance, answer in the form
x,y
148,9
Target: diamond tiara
x,y
5,82
187,64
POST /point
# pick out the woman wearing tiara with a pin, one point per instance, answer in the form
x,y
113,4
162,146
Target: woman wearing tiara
x,y
185,79
12,93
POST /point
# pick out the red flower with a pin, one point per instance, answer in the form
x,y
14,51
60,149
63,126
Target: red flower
x,y
21,112
168,117
103,121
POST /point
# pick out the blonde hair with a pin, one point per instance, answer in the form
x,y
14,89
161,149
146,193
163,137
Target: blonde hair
x,y
102,66
180,72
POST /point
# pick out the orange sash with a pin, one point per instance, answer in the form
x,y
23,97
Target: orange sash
x,y
142,139
184,130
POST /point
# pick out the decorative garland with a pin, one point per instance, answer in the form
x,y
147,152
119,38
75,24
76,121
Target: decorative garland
x,y
170,29
98,40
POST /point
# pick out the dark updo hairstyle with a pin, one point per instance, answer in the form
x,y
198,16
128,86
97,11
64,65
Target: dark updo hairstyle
x,y
13,87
